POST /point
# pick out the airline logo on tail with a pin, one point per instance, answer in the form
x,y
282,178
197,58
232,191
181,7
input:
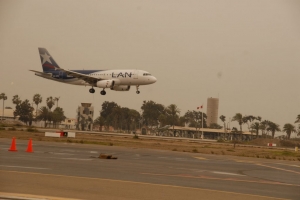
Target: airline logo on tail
x,y
46,58
47,61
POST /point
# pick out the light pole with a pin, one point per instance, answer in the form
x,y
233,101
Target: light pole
x,y
228,123
202,126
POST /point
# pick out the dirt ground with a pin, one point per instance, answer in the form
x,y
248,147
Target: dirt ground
x,y
249,149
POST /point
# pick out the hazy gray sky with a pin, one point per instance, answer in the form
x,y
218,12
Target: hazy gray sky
x,y
247,53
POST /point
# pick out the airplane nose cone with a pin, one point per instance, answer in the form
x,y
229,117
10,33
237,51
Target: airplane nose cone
x,y
153,79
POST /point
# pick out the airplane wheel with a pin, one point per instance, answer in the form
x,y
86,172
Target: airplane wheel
x,y
137,92
103,92
92,90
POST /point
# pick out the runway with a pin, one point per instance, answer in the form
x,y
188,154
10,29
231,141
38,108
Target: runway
x,y
73,171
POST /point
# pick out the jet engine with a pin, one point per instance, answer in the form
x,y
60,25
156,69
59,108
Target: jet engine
x,y
121,87
105,84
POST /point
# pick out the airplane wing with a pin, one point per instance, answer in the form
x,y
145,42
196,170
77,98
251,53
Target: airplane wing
x,y
41,73
86,78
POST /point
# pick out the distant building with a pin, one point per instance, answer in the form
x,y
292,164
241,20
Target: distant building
x,y
8,113
212,110
69,123
85,115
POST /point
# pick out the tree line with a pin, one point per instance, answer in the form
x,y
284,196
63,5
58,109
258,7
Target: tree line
x,y
153,115
255,124
24,109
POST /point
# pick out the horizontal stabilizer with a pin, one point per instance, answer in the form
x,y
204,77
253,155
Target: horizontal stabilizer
x,y
41,73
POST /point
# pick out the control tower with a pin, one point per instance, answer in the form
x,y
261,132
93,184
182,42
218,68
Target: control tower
x,y
85,114
212,110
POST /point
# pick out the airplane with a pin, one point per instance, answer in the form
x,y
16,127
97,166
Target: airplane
x,y
115,79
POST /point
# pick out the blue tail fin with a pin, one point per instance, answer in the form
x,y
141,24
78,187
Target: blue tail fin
x,y
48,63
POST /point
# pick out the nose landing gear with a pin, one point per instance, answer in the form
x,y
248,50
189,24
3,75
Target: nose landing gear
x,y
137,89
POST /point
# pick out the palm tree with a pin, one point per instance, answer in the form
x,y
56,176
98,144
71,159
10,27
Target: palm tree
x,y
273,127
173,110
239,118
263,126
56,99
298,130
297,119
248,119
223,119
37,99
3,97
50,102
255,126
289,128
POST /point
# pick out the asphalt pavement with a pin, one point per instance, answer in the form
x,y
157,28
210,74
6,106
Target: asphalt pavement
x,y
68,170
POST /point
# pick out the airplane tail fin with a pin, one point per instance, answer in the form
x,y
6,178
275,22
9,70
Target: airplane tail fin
x,y
48,63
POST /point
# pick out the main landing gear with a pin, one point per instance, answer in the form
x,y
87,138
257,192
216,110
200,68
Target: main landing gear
x,y
103,92
137,89
92,90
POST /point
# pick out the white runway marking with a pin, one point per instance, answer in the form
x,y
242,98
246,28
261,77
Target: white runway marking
x,y
93,151
286,164
23,167
61,153
226,173
76,159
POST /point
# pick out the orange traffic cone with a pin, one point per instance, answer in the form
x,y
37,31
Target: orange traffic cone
x,y
13,145
29,148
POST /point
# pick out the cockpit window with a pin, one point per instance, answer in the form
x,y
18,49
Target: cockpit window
x,y
146,74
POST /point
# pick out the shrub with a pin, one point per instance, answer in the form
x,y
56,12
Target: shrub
x,y
1,128
288,153
111,144
288,143
231,150
12,129
174,149
195,151
31,130
212,152
135,137
220,140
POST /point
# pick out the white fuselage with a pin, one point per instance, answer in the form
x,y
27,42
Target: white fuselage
x,y
129,77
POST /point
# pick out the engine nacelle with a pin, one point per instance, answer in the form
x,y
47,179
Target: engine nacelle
x,y
121,87
105,84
